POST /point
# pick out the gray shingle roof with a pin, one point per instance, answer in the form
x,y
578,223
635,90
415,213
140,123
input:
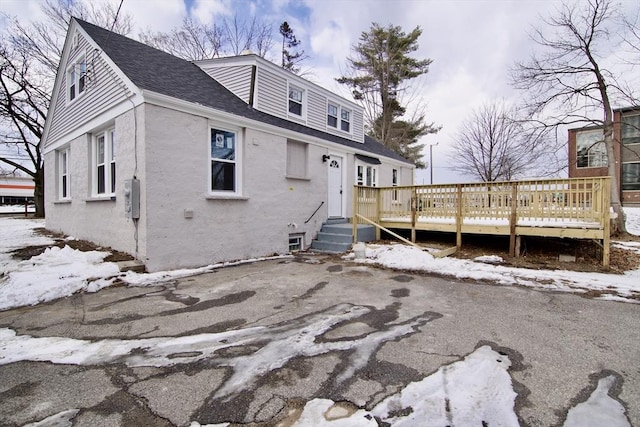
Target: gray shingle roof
x,y
154,70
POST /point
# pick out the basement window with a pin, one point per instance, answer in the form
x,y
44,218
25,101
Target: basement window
x,y
296,242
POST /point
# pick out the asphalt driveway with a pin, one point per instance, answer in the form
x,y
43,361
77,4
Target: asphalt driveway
x,y
291,330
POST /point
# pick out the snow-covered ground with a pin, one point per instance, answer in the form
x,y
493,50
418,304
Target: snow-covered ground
x,y
17,209
472,391
57,273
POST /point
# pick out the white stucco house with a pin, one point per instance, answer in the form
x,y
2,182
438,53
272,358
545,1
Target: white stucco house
x,y
184,164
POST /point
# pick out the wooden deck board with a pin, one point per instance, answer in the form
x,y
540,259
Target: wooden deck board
x,y
575,208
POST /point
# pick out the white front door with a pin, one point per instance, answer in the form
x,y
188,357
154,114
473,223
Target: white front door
x,y
335,187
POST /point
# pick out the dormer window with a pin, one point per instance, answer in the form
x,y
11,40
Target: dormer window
x,y
332,115
338,117
76,78
295,100
345,120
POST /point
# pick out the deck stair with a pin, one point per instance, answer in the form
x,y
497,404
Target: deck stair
x,y
336,236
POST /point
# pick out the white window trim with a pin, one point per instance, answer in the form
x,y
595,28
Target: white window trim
x,y
299,237
338,126
238,160
109,135
303,112
76,67
343,110
62,173
375,174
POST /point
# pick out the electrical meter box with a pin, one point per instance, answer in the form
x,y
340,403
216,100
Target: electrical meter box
x,y
132,198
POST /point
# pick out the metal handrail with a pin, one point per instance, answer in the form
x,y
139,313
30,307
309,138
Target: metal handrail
x,y
314,212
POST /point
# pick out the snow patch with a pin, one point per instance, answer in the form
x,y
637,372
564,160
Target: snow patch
x,y
599,410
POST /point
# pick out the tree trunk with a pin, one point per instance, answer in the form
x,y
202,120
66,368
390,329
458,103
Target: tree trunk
x,y
618,226
38,193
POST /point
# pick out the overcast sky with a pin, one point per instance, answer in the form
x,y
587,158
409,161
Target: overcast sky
x,y
472,44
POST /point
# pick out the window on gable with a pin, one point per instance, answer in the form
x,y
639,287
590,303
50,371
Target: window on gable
x,y
64,180
76,78
345,120
591,151
224,161
297,159
295,100
332,115
104,163
366,175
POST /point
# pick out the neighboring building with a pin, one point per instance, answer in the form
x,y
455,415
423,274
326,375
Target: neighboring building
x,y
228,158
16,190
588,156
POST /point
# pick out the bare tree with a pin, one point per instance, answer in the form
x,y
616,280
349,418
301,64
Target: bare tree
x,y
494,145
567,84
191,40
29,58
194,40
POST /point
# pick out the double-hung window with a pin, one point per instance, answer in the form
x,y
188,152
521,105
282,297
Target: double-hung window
x,y
296,100
64,181
366,175
225,155
630,154
338,117
76,78
345,120
332,115
591,151
104,163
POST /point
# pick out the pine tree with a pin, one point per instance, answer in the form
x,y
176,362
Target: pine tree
x,y
290,56
379,73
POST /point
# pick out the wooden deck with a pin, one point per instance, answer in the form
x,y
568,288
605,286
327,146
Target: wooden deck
x,y
574,208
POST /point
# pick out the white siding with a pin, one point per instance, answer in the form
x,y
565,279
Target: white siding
x,y
357,123
104,89
223,230
103,221
236,78
271,93
317,111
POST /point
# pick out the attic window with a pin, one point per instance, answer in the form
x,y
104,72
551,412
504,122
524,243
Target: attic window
x,y
75,41
76,78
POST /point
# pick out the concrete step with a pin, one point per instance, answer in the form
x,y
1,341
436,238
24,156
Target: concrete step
x,y
136,266
330,247
346,228
337,221
333,237
336,236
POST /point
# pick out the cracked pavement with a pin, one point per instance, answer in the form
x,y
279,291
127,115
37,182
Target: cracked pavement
x,y
254,343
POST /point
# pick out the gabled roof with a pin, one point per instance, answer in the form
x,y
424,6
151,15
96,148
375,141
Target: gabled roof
x,y
157,71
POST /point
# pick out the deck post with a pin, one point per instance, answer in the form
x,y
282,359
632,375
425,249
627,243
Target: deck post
x,y
605,188
513,220
414,211
355,211
459,217
378,193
